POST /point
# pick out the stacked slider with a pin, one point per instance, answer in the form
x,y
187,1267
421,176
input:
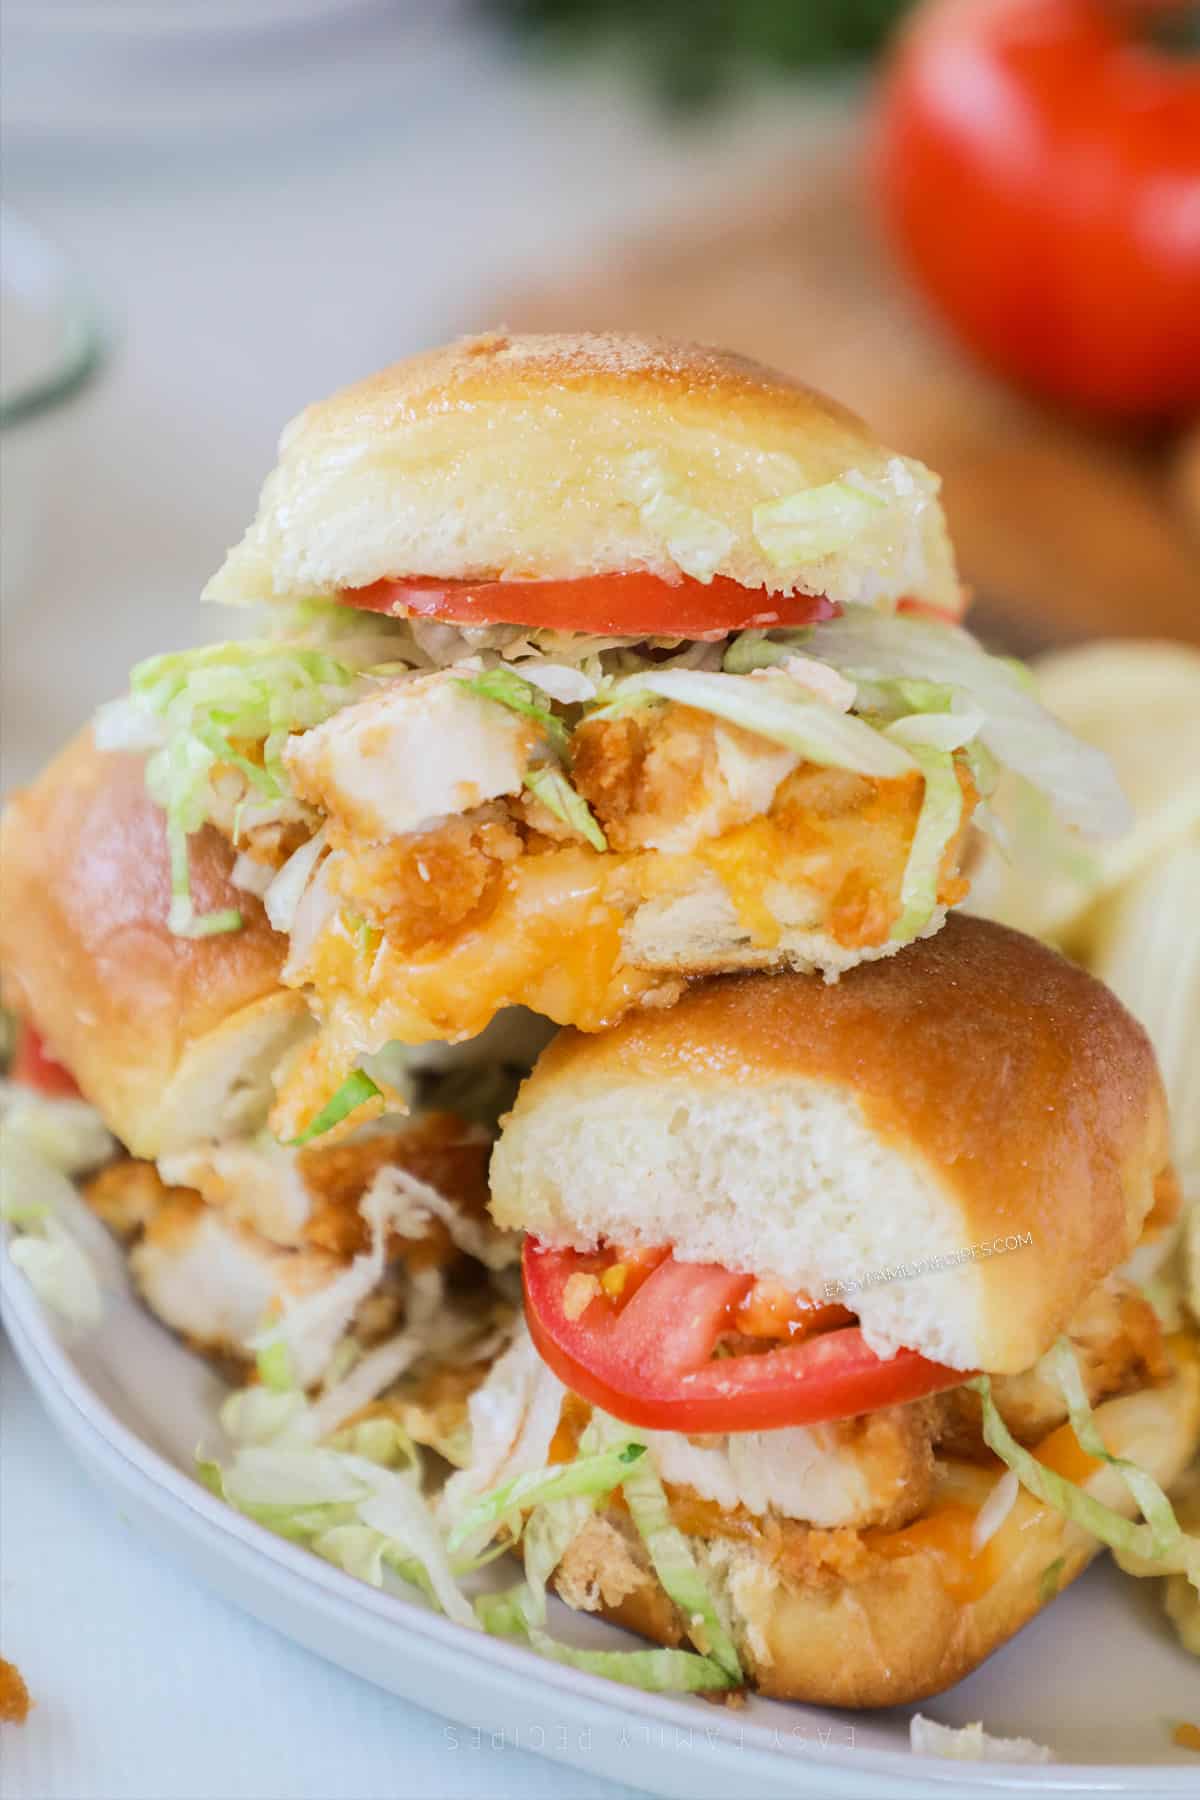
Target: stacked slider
x,y
846,1261
358,1258
623,681
591,665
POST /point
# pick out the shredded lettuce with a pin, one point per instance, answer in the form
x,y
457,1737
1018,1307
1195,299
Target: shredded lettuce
x,y
506,688
521,1612
1158,1540
816,522
937,822
286,889
779,710
203,707
570,687
1152,1503
354,1092
354,1497
68,1134
593,1475
1077,778
551,787
549,1532
356,1500
35,1197
275,1371
936,730
654,1671
676,1568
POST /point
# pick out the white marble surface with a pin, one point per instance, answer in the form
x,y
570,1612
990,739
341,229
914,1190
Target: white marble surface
x,y
244,273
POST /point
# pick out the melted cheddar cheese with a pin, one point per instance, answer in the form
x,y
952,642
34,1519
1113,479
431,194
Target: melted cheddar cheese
x,y
543,924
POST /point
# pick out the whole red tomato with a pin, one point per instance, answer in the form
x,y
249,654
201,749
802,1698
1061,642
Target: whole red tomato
x,y
1039,166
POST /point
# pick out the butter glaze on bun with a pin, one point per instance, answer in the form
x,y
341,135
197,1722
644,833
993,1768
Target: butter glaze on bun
x,y
555,457
975,1089
172,1039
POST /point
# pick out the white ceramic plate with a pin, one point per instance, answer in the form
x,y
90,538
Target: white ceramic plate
x,y
1097,1677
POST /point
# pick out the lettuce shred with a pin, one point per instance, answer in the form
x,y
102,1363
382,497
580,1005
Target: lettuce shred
x,y
551,787
356,1497
354,1092
1157,1541
201,709
42,1144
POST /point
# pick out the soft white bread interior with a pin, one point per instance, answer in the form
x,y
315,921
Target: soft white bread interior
x,y
965,1137
885,1618
174,1040
550,458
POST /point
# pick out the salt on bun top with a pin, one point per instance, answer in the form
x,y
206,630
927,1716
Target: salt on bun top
x,y
970,1131
174,1040
555,457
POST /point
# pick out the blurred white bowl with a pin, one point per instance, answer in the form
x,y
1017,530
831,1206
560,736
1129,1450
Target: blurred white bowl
x,y
50,344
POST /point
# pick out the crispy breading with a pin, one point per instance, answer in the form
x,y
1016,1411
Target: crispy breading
x,y
437,1149
891,1453
1118,1343
127,1195
637,773
599,1568
428,886
430,1403
669,778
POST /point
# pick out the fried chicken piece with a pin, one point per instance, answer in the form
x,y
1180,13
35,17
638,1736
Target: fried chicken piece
x,y
420,749
126,1196
437,1149
432,884
1118,1343
312,1198
599,1568
669,778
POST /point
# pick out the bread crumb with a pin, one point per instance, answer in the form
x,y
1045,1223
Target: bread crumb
x,y
597,1569
14,1695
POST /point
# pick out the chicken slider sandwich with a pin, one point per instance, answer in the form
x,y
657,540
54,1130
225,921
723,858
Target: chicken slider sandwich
x,y
155,1055
583,666
831,1371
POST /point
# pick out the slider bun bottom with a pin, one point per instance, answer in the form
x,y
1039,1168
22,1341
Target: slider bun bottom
x,y
898,1636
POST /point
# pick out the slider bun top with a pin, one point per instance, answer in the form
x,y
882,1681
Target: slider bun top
x,y
973,1089
549,458
173,1039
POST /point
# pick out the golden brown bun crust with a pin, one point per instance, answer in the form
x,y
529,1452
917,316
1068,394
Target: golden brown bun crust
x,y
894,1634
496,367
85,951
1012,1087
526,457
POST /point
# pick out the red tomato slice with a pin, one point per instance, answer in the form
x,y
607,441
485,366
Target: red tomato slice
x,y
650,1362
34,1067
609,605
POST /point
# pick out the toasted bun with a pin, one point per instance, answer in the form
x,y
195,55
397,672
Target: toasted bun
x,y
548,458
892,1631
173,1039
975,1091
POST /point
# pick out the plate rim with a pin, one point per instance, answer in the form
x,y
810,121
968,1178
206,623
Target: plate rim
x,y
163,1487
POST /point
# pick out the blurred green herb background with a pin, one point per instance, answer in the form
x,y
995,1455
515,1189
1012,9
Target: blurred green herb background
x,y
693,51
